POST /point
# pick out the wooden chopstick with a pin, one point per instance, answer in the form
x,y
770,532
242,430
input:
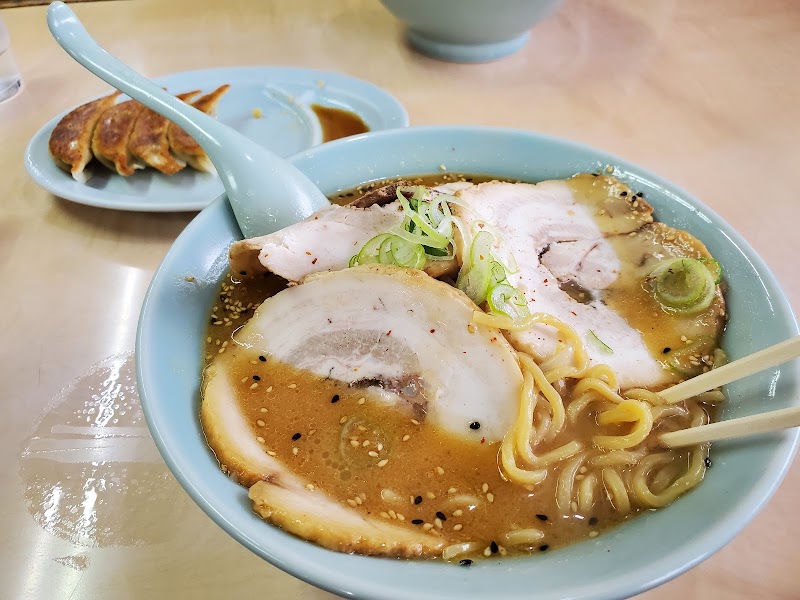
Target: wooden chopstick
x,y
774,420
738,369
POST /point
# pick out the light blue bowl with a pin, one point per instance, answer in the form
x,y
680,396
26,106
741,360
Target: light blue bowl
x,y
469,31
641,554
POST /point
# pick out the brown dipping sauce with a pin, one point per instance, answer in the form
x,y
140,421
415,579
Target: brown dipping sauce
x,y
338,123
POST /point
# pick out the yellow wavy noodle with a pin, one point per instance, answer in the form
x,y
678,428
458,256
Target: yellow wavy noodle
x,y
631,468
617,458
586,489
616,490
566,481
627,411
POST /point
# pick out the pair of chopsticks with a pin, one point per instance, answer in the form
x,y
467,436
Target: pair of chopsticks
x,y
743,426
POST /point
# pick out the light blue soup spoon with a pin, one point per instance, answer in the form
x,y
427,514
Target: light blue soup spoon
x,y
265,191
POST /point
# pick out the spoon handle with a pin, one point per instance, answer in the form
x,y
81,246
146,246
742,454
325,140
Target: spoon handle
x,y
73,37
265,191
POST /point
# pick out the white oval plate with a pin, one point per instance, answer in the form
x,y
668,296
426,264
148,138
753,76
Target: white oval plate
x,y
287,126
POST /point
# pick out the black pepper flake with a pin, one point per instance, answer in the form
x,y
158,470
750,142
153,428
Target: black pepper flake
x,y
242,272
493,547
708,462
474,425
640,195
593,521
262,358
417,521
542,517
296,437
465,562
256,378
543,548
441,515
418,500
666,350
335,399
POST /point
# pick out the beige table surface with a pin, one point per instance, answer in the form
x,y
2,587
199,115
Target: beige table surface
x,y
706,94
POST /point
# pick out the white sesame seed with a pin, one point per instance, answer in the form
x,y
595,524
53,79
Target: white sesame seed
x,y
260,423
269,389
383,463
490,497
415,422
365,443
392,514
373,454
362,400
574,506
457,527
427,526
430,495
295,450
310,486
593,534
260,440
380,447
406,437
263,410
351,502
487,551
400,517
485,487
438,522
343,420
458,512
358,500
452,490
271,453
384,514
354,443
252,386
244,379
440,470
312,432
292,386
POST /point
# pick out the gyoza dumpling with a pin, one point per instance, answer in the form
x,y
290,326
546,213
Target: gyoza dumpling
x,y
148,142
181,143
71,141
111,136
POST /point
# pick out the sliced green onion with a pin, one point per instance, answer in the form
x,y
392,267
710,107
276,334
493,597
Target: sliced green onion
x,y
683,284
713,266
389,249
498,274
474,282
437,240
603,346
507,300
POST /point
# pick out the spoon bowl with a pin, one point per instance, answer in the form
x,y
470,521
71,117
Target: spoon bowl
x,y
265,191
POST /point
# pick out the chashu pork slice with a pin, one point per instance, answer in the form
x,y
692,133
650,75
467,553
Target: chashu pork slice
x,y
408,340
573,241
325,241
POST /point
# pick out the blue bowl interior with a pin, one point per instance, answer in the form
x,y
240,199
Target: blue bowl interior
x,y
640,554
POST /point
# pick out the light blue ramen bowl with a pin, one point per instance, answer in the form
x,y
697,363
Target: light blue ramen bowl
x,y
638,555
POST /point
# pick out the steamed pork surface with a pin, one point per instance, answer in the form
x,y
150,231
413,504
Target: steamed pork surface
x,y
399,340
325,241
580,246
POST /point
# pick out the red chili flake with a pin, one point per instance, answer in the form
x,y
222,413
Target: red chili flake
x,y
545,280
599,271
307,252
494,339
313,262
316,218
483,440
433,331
389,332
574,314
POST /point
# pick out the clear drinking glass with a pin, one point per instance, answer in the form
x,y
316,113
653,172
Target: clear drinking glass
x,y
10,79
